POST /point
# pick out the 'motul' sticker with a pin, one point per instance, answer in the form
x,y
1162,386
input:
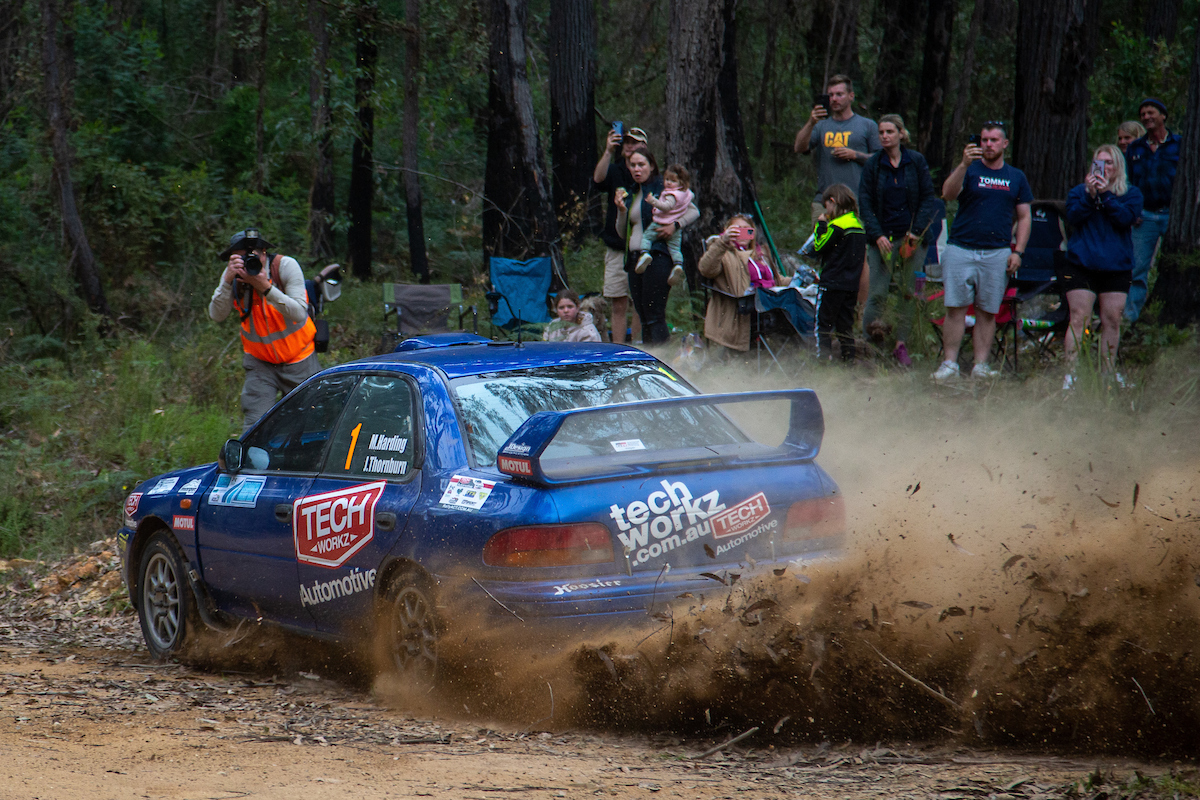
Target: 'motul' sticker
x,y
331,527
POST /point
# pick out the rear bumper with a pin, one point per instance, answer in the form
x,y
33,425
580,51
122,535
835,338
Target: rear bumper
x,y
618,598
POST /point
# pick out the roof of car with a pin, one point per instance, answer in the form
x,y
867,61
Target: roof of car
x,y
462,360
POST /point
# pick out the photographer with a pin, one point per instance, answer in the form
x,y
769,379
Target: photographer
x,y
277,335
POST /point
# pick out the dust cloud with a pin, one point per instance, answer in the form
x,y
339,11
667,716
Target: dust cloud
x,y
1021,570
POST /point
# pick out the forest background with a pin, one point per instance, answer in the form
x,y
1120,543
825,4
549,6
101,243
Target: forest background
x,y
135,137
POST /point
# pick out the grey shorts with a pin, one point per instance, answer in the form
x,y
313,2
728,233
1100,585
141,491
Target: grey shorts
x,y
616,280
975,276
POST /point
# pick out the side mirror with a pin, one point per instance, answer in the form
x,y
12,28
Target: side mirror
x,y
230,457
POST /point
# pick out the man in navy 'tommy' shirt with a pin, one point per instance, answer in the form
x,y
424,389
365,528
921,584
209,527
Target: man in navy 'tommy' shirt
x,y
1151,162
978,257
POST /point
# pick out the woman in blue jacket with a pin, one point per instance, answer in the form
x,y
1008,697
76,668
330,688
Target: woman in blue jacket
x,y
1099,260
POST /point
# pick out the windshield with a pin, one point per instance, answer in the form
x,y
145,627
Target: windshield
x,y
496,404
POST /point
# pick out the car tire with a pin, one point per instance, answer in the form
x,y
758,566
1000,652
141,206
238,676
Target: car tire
x,y
411,628
166,605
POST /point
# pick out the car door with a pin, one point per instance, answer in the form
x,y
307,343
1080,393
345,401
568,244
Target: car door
x,y
244,527
359,503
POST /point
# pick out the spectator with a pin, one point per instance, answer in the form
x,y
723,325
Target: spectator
x,y
1127,132
978,255
842,245
841,143
1152,161
572,324
648,289
610,175
1099,261
732,262
897,204
669,207
277,334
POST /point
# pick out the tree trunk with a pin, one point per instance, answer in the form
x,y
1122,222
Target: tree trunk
x,y
218,72
935,77
1178,284
704,126
362,163
898,49
768,72
412,143
85,263
260,152
518,207
321,200
1162,20
954,143
1055,43
572,98
12,41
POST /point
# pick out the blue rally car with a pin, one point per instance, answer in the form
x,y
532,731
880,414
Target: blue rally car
x,y
575,482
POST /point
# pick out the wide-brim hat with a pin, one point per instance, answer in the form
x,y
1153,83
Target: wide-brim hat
x,y
249,239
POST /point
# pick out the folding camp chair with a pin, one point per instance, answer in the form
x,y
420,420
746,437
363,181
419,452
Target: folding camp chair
x,y
420,309
519,293
778,320
1004,348
1046,319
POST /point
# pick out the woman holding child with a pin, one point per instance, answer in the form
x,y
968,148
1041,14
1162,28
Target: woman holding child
x,y
734,262
650,281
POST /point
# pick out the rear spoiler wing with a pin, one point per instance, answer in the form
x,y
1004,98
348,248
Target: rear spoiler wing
x,y
520,456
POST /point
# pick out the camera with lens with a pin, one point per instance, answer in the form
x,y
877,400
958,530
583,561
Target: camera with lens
x,y
251,262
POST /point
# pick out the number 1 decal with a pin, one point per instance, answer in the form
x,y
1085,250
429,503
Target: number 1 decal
x,y
353,442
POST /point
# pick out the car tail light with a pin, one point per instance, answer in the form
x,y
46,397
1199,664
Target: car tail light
x,y
816,518
549,546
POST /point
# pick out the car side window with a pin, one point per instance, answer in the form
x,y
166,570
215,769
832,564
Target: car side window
x,y
293,438
375,436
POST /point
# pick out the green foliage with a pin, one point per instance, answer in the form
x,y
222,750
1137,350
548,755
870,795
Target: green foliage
x,y
1129,68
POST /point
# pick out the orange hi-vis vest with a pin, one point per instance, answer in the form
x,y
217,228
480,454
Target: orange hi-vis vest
x,y
269,336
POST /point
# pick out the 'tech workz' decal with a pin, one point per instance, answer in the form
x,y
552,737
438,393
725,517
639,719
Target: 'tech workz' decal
x,y
329,528
673,517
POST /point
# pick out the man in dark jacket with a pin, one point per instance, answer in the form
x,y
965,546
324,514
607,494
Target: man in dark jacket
x,y
1152,161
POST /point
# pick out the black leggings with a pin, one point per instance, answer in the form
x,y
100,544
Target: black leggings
x,y
649,292
835,312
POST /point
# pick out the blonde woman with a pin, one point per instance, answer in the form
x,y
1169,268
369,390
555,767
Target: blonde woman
x,y
1099,261
1127,132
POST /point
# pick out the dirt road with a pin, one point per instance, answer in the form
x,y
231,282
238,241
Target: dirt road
x,y
109,724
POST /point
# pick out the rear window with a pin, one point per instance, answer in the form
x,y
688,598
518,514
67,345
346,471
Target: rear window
x,y
494,405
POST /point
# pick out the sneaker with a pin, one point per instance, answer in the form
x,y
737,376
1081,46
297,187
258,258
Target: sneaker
x,y
946,371
676,274
901,355
1068,382
642,263
984,372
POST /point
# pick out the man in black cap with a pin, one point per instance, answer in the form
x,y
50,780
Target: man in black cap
x,y
277,333
1151,162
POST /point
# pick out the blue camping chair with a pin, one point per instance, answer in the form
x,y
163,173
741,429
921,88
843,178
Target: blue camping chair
x,y
519,292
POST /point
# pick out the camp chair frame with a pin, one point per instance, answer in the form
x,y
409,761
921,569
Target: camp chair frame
x,y
404,328
748,304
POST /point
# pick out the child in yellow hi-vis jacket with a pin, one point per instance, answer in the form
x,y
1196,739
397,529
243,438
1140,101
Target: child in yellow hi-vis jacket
x,y
841,242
